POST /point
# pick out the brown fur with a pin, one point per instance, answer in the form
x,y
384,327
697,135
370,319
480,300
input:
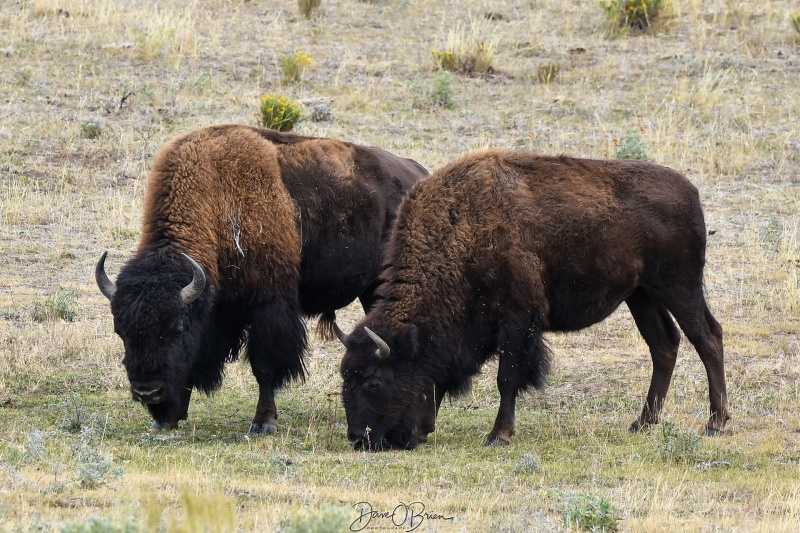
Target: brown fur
x,y
498,247
283,226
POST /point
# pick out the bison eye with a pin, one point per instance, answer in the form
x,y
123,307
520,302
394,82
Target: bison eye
x,y
374,384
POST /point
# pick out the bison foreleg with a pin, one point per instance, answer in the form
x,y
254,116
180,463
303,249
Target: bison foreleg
x,y
524,362
275,349
433,400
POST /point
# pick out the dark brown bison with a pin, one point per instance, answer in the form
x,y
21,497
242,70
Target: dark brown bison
x,y
496,248
244,232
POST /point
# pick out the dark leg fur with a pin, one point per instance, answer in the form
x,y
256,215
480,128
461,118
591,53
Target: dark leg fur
x,y
524,362
691,312
275,349
433,402
663,339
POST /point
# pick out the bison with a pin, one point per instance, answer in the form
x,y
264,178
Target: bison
x,y
497,248
245,231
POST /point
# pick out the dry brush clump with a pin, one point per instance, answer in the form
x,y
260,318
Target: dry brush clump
x,y
469,50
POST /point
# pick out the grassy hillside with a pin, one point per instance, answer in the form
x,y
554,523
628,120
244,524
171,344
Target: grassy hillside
x,y
90,89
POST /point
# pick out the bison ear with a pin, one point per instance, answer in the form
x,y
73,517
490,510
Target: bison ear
x,y
406,341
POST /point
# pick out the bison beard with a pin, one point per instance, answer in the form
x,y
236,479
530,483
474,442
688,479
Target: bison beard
x,y
496,248
244,232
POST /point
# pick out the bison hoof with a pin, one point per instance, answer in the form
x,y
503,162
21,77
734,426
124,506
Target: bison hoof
x,y
498,440
713,432
164,425
265,429
638,427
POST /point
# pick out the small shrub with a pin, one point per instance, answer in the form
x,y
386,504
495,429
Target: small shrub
x,y
97,524
59,306
439,92
634,14
632,147
794,18
94,468
680,446
294,66
308,7
90,130
445,59
589,513
442,93
278,113
528,464
547,72
327,519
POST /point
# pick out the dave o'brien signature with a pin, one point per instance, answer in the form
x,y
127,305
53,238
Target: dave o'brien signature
x,y
411,515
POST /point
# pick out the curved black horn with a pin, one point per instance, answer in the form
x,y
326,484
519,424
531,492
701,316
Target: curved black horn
x,y
339,333
106,286
194,289
383,348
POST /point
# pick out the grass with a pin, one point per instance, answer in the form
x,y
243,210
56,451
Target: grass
x,y
709,95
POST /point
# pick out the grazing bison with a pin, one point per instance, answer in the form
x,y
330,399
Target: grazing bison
x,y
244,232
496,248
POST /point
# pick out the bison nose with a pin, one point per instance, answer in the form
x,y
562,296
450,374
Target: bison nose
x,y
148,394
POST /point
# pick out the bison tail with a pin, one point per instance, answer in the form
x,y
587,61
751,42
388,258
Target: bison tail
x,y
325,329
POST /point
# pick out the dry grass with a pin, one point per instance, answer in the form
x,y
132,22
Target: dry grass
x,y
713,94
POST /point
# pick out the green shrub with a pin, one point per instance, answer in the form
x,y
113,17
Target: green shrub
x,y
326,519
439,92
794,18
59,306
634,14
589,513
680,446
90,130
278,113
632,147
308,7
294,66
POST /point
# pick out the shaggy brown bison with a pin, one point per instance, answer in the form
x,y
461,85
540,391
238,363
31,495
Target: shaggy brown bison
x,y
244,232
496,248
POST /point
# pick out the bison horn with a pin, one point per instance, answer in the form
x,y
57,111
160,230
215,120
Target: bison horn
x,y
106,286
194,289
339,333
383,348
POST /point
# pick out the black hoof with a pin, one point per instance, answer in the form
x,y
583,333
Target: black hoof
x,y
636,427
497,442
711,432
264,429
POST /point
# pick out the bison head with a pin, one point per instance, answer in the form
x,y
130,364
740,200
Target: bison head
x,y
385,393
152,308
